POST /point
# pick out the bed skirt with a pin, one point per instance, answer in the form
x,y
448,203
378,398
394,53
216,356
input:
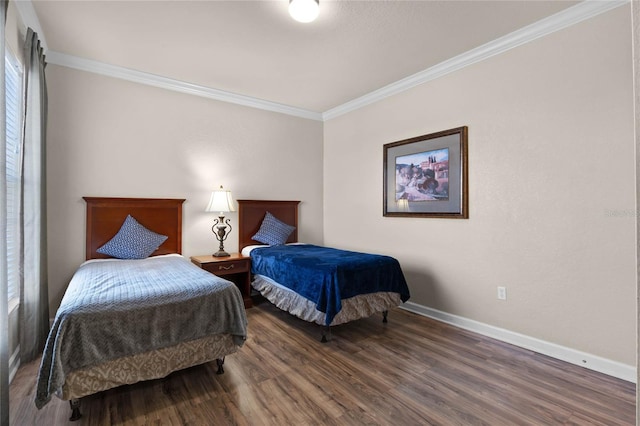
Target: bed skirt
x,y
353,308
149,365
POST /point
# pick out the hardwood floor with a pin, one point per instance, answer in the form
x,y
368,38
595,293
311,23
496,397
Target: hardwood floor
x,y
411,371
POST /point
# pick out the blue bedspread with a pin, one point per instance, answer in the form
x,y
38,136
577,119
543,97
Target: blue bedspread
x,y
327,275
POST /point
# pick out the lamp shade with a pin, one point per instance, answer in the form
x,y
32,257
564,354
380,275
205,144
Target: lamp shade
x,y
304,10
221,201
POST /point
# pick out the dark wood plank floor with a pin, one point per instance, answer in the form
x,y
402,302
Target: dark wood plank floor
x,y
411,371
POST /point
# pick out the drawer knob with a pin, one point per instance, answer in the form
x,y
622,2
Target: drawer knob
x,y
225,268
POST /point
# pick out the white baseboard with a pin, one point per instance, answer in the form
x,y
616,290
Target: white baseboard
x,y
583,359
14,363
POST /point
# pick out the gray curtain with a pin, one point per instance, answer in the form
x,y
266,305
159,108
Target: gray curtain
x,y
34,296
4,308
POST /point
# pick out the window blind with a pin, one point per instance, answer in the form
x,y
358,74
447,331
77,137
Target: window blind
x,y
13,94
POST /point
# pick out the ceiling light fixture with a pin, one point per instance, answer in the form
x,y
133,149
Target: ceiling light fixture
x,y
304,10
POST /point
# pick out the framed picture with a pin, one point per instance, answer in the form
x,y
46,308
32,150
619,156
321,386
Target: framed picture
x,y
426,176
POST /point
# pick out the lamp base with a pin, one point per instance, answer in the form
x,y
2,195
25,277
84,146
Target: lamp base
x,y
221,253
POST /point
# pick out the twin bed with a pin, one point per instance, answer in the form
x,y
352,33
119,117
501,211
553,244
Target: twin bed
x,y
317,284
125,321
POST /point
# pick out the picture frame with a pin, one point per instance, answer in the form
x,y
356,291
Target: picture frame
x,y
427,176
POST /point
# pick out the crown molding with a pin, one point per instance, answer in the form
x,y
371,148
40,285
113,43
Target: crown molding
x,y
135,76
566,18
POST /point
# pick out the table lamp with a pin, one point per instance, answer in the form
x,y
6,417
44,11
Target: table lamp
x,y
221,202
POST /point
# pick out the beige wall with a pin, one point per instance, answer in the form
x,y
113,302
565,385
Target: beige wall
x,y
108,137
552,195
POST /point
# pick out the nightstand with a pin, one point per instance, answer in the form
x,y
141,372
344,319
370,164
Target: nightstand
x,y
235,268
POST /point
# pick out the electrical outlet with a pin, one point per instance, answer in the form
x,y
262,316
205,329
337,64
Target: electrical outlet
x,y
502,293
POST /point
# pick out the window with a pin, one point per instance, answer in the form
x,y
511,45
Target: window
x,y
13,82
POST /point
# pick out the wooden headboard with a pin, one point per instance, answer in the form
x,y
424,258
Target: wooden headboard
x,y
106,215
251,213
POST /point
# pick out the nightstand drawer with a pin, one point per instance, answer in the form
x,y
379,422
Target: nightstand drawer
x,y
236,268
228,267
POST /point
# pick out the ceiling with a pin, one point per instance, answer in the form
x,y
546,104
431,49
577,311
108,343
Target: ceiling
x,y
253,48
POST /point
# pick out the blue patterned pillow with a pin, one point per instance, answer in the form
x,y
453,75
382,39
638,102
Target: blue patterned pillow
x,y
272,231
133,241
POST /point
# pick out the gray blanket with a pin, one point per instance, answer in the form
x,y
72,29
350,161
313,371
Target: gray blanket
x,y
116,308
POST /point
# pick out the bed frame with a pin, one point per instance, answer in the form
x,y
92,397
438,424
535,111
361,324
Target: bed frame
x,y
161,215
